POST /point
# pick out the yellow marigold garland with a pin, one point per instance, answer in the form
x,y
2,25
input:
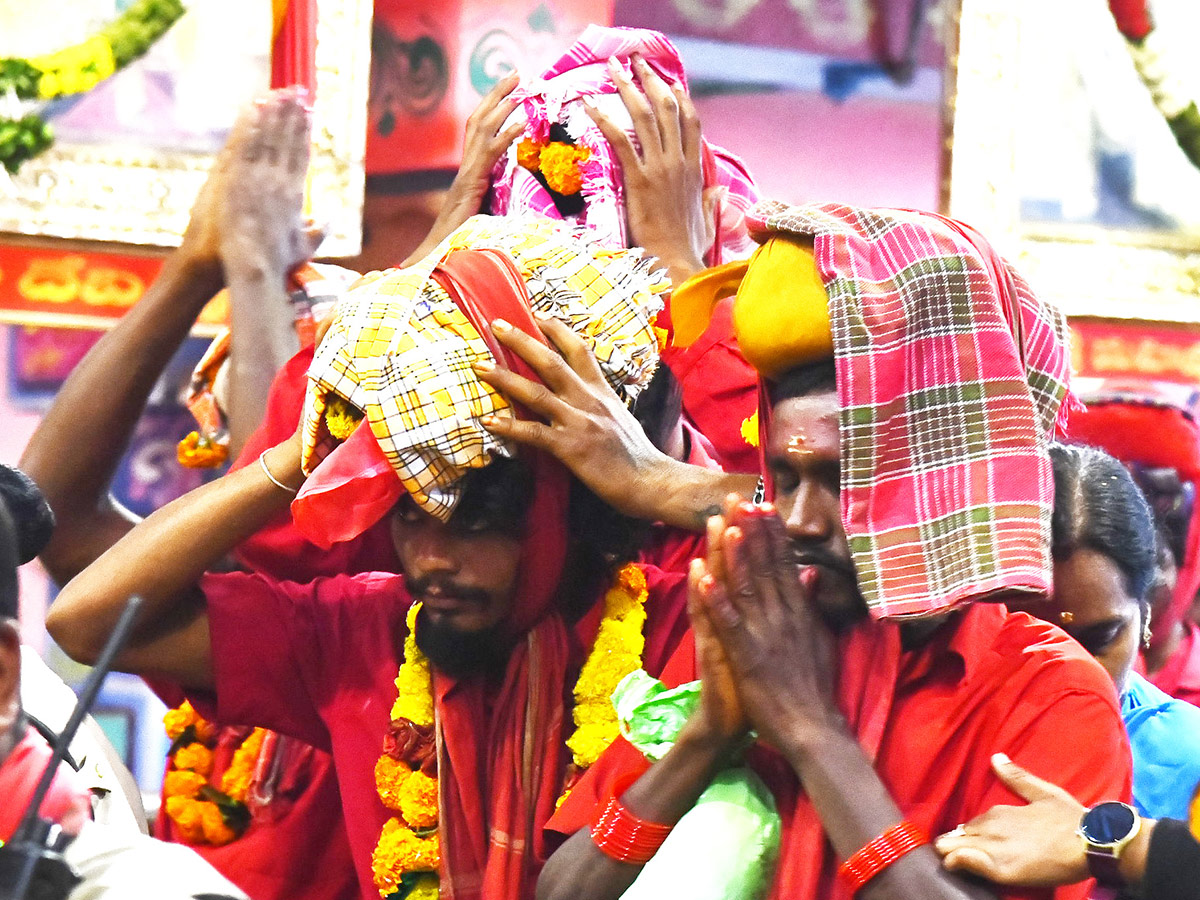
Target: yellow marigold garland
x,y
341,418
407,853
203,814
616,652
414,682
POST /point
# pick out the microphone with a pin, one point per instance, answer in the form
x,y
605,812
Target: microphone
x,y
33,857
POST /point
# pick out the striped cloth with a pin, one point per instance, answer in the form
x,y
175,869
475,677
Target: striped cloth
x,y
554,98
945,417
401,350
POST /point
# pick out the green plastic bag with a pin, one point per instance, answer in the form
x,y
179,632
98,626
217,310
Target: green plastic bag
x,y
726,846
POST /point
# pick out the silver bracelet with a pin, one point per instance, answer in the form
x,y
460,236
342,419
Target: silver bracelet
x,y
262,461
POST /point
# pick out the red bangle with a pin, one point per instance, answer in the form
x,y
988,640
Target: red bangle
x,y
880,853
621,835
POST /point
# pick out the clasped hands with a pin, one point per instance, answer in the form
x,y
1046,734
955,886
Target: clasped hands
x,y
765,658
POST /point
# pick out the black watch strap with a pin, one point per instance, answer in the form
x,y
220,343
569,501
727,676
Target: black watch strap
x,y
1105,868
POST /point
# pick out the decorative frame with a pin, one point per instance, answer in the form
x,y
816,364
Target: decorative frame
x,y
1085,270
133,195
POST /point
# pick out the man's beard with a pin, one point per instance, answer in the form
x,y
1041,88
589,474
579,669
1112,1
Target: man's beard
x,y
838,608
459,653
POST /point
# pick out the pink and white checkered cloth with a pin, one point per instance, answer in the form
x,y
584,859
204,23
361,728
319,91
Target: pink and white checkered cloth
x,y
556,98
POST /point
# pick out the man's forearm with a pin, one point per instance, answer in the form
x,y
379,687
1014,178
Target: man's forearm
x,y
162,560
854,807
76,449
668,790
688,495
262,339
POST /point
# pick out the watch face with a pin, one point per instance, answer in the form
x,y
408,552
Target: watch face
x,y
1107,823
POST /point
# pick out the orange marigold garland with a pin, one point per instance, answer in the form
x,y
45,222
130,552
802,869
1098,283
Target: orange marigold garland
x,y
557,161
406,856
203,814
196,452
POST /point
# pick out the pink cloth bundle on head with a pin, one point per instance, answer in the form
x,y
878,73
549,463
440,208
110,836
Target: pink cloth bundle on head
x,y
556,99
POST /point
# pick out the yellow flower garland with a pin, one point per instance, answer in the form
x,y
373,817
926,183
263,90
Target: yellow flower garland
x,y
341,418
616,652
405,860
203,814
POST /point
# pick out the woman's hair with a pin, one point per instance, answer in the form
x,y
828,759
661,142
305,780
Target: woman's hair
x,y
1098,506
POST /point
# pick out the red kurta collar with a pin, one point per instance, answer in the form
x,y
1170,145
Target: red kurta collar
x,y
957,648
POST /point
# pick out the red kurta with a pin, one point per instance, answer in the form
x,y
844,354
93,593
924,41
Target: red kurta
x,y
1180,677
296,848
318,661
991,681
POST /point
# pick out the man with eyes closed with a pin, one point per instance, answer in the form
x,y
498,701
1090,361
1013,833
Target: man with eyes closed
x,y
909,383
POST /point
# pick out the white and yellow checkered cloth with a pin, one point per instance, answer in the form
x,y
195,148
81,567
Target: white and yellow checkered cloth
x,y
401,350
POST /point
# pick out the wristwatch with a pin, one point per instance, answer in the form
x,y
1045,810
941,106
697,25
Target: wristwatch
x,y
1106,829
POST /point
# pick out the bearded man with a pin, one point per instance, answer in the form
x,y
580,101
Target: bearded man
x,y
453,765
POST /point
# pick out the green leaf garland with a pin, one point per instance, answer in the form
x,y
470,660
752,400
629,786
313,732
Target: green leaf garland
x,y
75,70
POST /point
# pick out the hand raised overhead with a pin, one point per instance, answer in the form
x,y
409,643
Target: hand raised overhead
x,y
582,421
662,174
485,142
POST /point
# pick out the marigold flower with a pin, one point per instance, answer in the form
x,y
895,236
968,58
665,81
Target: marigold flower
x,y
178,720
750,429
426,887
216,831
235,781
341,417
398,852
390,776
419,800
559,163
587,744
662,337
529,154
195,452
632,580
194,758
187,814
182,784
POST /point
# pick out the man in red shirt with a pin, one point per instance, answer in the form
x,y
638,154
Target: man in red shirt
x,y
249,246
910,384
475,717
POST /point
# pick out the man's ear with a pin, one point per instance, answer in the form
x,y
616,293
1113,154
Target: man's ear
x,y
10,675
